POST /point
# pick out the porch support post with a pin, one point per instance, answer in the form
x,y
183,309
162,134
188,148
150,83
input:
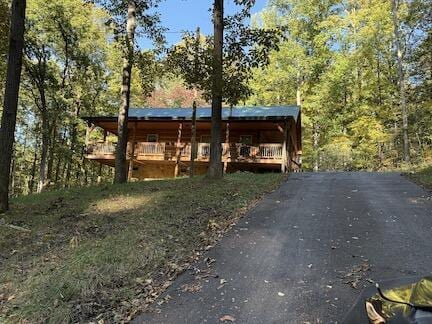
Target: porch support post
x,y
293,148
178,150
227,140
284,148
193,141
99,177
290,151
132,152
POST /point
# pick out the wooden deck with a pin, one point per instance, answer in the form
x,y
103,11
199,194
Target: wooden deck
x,y
268,153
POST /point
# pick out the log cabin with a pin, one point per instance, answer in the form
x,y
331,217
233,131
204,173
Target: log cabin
x,y
254,139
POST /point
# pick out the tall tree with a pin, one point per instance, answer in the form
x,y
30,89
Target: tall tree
x,y
215,169
128,17
401,79
4,34
189,60
221,66
13,78
122,131
65,52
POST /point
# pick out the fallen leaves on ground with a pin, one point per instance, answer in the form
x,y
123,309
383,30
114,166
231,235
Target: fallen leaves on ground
x,y
227,318
192,288
222,283
356,274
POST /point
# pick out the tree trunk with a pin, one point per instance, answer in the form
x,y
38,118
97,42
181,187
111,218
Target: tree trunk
x,y
84,171
33,171
12,176
52,151
13,78
298,90
227,141
178,150
44,155
193,141
284,164
401,81
420,145
120,159
379,81
59,159
132,153
215,169
72,147
315,136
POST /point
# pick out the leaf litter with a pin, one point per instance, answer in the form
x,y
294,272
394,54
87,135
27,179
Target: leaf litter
x,y
356,274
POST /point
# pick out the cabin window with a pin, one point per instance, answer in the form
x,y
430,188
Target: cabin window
x,y
152,138
205,138
246,139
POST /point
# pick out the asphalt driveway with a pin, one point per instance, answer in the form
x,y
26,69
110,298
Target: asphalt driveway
x,y
305,252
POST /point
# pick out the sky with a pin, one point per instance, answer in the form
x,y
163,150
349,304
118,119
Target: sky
x,y
187,15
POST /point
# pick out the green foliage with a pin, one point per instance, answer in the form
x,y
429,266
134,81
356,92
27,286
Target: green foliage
x,y
368,137
339,56
139,87
148,19
336,56
72,68
337,154
150,70
422,176
192,58
244,48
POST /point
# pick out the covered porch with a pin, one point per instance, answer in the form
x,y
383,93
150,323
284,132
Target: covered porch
x,y
265,143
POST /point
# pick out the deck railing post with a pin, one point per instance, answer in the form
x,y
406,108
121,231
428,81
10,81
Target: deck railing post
x,y
178,150
193,141
291,149
132,152
227,150
284,148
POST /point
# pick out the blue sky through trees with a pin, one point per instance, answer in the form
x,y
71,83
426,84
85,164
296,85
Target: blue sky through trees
x,y
187,15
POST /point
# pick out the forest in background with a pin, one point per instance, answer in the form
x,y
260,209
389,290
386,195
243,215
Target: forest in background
x,y
342,57
337,58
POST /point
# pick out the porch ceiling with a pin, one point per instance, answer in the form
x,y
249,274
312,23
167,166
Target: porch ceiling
x,y
172,125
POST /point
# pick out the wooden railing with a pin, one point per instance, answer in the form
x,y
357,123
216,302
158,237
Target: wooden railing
x,y
185,150
230,151
101,148
271,151
203,150
150,148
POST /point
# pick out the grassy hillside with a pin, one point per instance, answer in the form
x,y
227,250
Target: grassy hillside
x,y
106,251
422,176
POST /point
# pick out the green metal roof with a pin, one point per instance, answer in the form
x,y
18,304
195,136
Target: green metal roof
x,y
236,113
